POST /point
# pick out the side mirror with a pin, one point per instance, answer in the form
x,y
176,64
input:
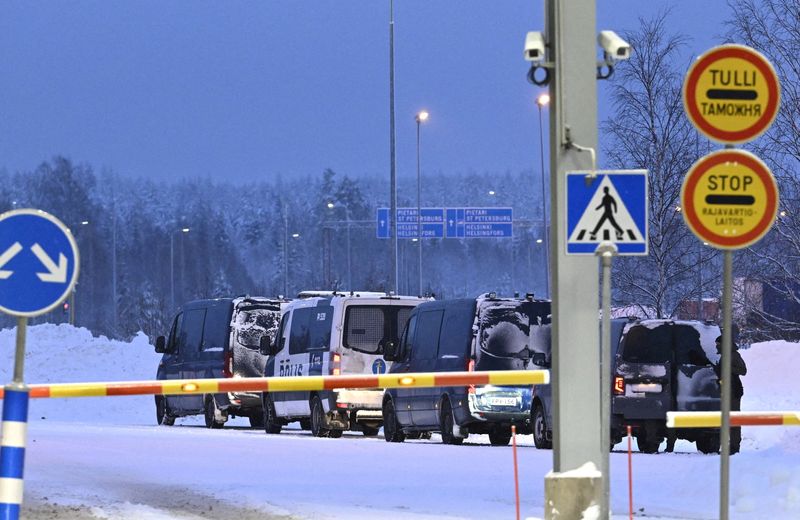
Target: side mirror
x,y
539,359
265,345
391,351
161,345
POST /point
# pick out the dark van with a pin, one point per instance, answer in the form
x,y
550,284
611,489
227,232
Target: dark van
x,y
214,339
486,333
660,366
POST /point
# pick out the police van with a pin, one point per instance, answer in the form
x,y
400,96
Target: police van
x,y
332,334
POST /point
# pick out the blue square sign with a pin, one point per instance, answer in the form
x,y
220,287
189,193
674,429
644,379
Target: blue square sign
x,y
610,206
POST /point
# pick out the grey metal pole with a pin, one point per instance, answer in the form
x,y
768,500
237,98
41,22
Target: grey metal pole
x,y
19,358
725,376
546,238
419,212
72,307
606,251
349,271
285,253
395,276
172,269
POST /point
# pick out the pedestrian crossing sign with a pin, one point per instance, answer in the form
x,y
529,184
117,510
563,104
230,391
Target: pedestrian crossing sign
x,y
607,206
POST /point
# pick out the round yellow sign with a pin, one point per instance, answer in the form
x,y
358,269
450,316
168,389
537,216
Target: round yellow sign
x,y
731,94
729,199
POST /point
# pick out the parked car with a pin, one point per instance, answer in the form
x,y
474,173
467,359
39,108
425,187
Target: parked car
x,y
665,365
213,339
542,411
487,333
332,334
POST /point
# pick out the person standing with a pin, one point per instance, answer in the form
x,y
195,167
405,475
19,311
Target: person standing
x,y
738,369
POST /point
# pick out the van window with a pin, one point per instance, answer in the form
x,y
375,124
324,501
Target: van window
x,y
426,341
688,349
216,329
645,345
456,334
368,326
311,329
252,324
192,330
172,346
408,337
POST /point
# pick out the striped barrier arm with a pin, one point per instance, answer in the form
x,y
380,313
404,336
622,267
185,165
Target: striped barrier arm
x,y
291,384
714,419
12,450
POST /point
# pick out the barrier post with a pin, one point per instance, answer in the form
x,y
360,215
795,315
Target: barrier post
x,y
630,475
516,472
14,433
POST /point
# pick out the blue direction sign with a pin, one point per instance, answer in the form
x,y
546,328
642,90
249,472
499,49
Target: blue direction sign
x,y
432,220
610,205
38,262
480,222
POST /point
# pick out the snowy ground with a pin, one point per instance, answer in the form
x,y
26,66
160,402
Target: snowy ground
x,y
104,458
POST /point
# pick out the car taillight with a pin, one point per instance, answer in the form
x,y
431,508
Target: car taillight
x,y
471,368
336,365
619,385
227,365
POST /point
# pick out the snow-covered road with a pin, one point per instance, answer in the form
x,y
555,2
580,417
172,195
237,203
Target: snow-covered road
x,y
105,458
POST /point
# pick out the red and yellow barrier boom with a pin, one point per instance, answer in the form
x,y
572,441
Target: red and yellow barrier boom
x,y
714,419
291,384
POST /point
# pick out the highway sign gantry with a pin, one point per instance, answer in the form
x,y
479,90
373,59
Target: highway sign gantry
x,y
607,206
731,94
480,222
38,262
729,199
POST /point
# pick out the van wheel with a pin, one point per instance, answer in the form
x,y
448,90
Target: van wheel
x,y
256,420
211,414
646,443
499,438
162,415
270,422
708,444
335,434
392,432
540,429
446,423
318,419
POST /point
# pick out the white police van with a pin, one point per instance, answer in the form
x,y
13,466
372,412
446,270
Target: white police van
x,y
331,334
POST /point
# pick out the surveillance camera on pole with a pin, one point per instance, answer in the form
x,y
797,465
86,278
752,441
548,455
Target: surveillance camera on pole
x,y
535,53
614,49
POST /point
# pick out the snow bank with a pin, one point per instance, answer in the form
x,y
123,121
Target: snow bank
x,y
63,354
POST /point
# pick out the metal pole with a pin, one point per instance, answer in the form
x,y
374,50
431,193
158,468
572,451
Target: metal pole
x,y
72,307
19,358
725,376
546,237
395,276
419,212
606,251
349,271
172,268
285,253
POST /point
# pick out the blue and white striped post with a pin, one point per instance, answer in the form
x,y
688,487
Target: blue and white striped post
x,y
12,450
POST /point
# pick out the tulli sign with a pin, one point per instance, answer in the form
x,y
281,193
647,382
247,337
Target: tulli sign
x,y
731,94
729,199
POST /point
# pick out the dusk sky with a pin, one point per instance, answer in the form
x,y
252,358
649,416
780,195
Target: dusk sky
x,y
247,91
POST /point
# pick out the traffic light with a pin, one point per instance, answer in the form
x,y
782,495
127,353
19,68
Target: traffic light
x,y
66,308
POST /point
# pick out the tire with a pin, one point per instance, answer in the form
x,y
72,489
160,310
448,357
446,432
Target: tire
x,y
708,444
392,432
210,414
162,415
335,434
369,431
446,423
647,444
270,422
499,438
539,426
318,419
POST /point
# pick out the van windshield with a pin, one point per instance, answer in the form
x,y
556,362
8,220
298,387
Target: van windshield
x,y
504,334
369,327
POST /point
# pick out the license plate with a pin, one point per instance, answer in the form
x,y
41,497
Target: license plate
x,y
502,401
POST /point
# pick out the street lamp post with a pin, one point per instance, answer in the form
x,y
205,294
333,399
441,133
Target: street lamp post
x,y
172,264
331,205
420,118
544,100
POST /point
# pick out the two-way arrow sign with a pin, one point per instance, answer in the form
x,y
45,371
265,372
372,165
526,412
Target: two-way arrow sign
x,y
55,274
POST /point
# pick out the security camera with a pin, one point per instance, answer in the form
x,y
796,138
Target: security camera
x,y
534,47
615,47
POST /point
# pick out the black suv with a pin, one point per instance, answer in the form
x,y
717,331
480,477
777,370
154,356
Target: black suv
x,y
660,366
487,333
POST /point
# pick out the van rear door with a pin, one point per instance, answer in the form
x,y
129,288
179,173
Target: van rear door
x,y
645,362
697,386
367,328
